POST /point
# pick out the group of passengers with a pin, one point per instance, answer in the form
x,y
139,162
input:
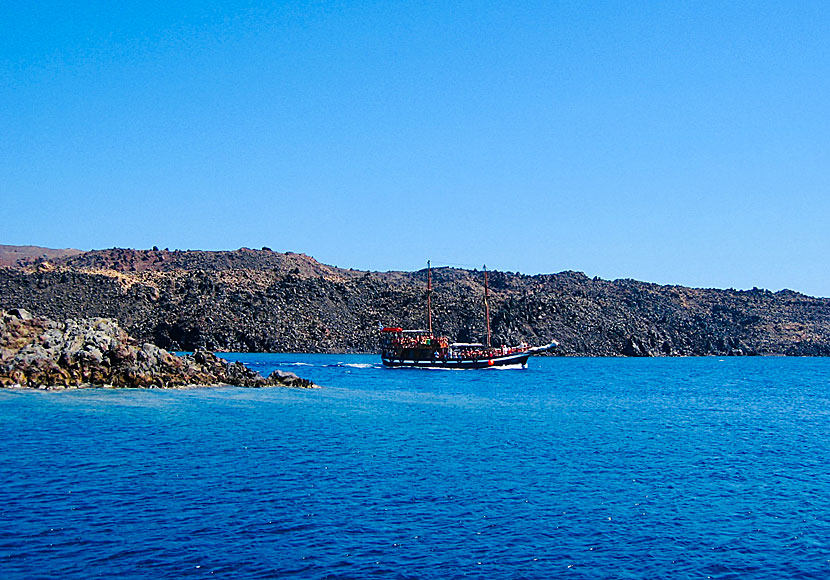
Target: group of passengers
x,y
479,353
420,342
441,346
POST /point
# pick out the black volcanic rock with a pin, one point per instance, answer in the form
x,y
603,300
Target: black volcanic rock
x,y
259,300
38,352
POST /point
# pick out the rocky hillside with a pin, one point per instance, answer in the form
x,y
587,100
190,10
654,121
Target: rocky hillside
x,y
260,300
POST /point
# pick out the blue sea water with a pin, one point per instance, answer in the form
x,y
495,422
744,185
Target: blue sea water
x,y
572,468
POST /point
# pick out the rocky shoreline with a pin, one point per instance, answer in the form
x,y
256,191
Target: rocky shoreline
x,y
264,301
82,353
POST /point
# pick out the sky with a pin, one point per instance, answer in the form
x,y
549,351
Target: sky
x,y
678,143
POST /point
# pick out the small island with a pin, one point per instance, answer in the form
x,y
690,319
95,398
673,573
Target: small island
x,y
95,352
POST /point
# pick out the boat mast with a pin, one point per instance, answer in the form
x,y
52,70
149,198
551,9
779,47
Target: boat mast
x,y
429,297
487,304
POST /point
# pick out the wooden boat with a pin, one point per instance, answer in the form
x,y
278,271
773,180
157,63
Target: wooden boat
x,y
424,349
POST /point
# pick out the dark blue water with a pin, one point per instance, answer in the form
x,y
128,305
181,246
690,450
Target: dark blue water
x,y
573,468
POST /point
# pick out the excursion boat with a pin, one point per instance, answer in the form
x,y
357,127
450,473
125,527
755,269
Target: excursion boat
x,y
424,349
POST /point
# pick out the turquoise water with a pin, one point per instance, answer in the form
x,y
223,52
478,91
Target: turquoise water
x,y
572,468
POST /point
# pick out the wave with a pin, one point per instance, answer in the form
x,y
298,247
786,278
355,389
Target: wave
x,y
341,365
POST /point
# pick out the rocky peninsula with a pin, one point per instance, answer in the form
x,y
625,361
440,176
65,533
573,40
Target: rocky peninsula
x,y
260,300
96,352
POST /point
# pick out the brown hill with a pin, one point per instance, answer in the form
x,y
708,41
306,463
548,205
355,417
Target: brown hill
x,y
20,256
155,260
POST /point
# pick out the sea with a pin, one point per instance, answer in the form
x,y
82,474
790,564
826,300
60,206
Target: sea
x,y
571,468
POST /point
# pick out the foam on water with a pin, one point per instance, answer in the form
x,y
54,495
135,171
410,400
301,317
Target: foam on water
x,y
342,365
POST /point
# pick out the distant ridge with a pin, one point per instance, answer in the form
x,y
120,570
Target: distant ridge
x,y
261,300
16,256
155,260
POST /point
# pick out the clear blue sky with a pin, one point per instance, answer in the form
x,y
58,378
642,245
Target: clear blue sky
x,y
684,143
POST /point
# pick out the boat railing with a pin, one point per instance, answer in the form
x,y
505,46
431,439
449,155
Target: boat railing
x,y
482,352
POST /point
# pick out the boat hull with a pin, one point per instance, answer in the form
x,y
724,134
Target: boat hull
x,y
513,360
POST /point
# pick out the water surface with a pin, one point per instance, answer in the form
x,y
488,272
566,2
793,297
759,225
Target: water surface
x,y
572,468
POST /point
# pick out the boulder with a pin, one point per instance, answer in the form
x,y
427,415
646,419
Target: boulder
x,y
41,353
20,313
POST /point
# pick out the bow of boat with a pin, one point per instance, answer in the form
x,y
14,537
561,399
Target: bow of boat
x,y
544,348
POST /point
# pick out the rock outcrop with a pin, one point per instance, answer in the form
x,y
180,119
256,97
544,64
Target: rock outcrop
x,y
42,353
260,300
